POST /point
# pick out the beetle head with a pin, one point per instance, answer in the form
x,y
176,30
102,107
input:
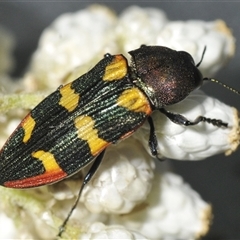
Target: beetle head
x,y
165,75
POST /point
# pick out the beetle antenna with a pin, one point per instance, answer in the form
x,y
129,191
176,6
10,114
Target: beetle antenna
x,y
222,84
203,53
213,79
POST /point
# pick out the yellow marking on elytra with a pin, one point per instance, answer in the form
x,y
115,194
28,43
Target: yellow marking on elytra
x,y
69,99
134,100
117,69
86,131
48,160
28,125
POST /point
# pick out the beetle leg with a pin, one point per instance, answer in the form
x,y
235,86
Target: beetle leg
x,y
152,142
86,179
179,119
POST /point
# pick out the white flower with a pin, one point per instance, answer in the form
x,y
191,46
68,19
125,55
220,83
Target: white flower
x,y
172,211
100,231
115,188
68,43
124,190
8,229
193,35
194,142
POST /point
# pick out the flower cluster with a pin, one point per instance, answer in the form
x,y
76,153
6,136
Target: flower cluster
x,y
131,196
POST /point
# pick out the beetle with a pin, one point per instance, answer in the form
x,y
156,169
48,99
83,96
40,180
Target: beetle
x,y
73,126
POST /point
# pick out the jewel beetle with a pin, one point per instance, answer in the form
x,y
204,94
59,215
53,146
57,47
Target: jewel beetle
x,y
73,126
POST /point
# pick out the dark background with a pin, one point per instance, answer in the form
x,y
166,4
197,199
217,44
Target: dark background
x,y
217,179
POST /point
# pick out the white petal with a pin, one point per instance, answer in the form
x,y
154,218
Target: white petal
x,y
126,168
99,231
192,36
7,228
73,39
172,211
194,142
